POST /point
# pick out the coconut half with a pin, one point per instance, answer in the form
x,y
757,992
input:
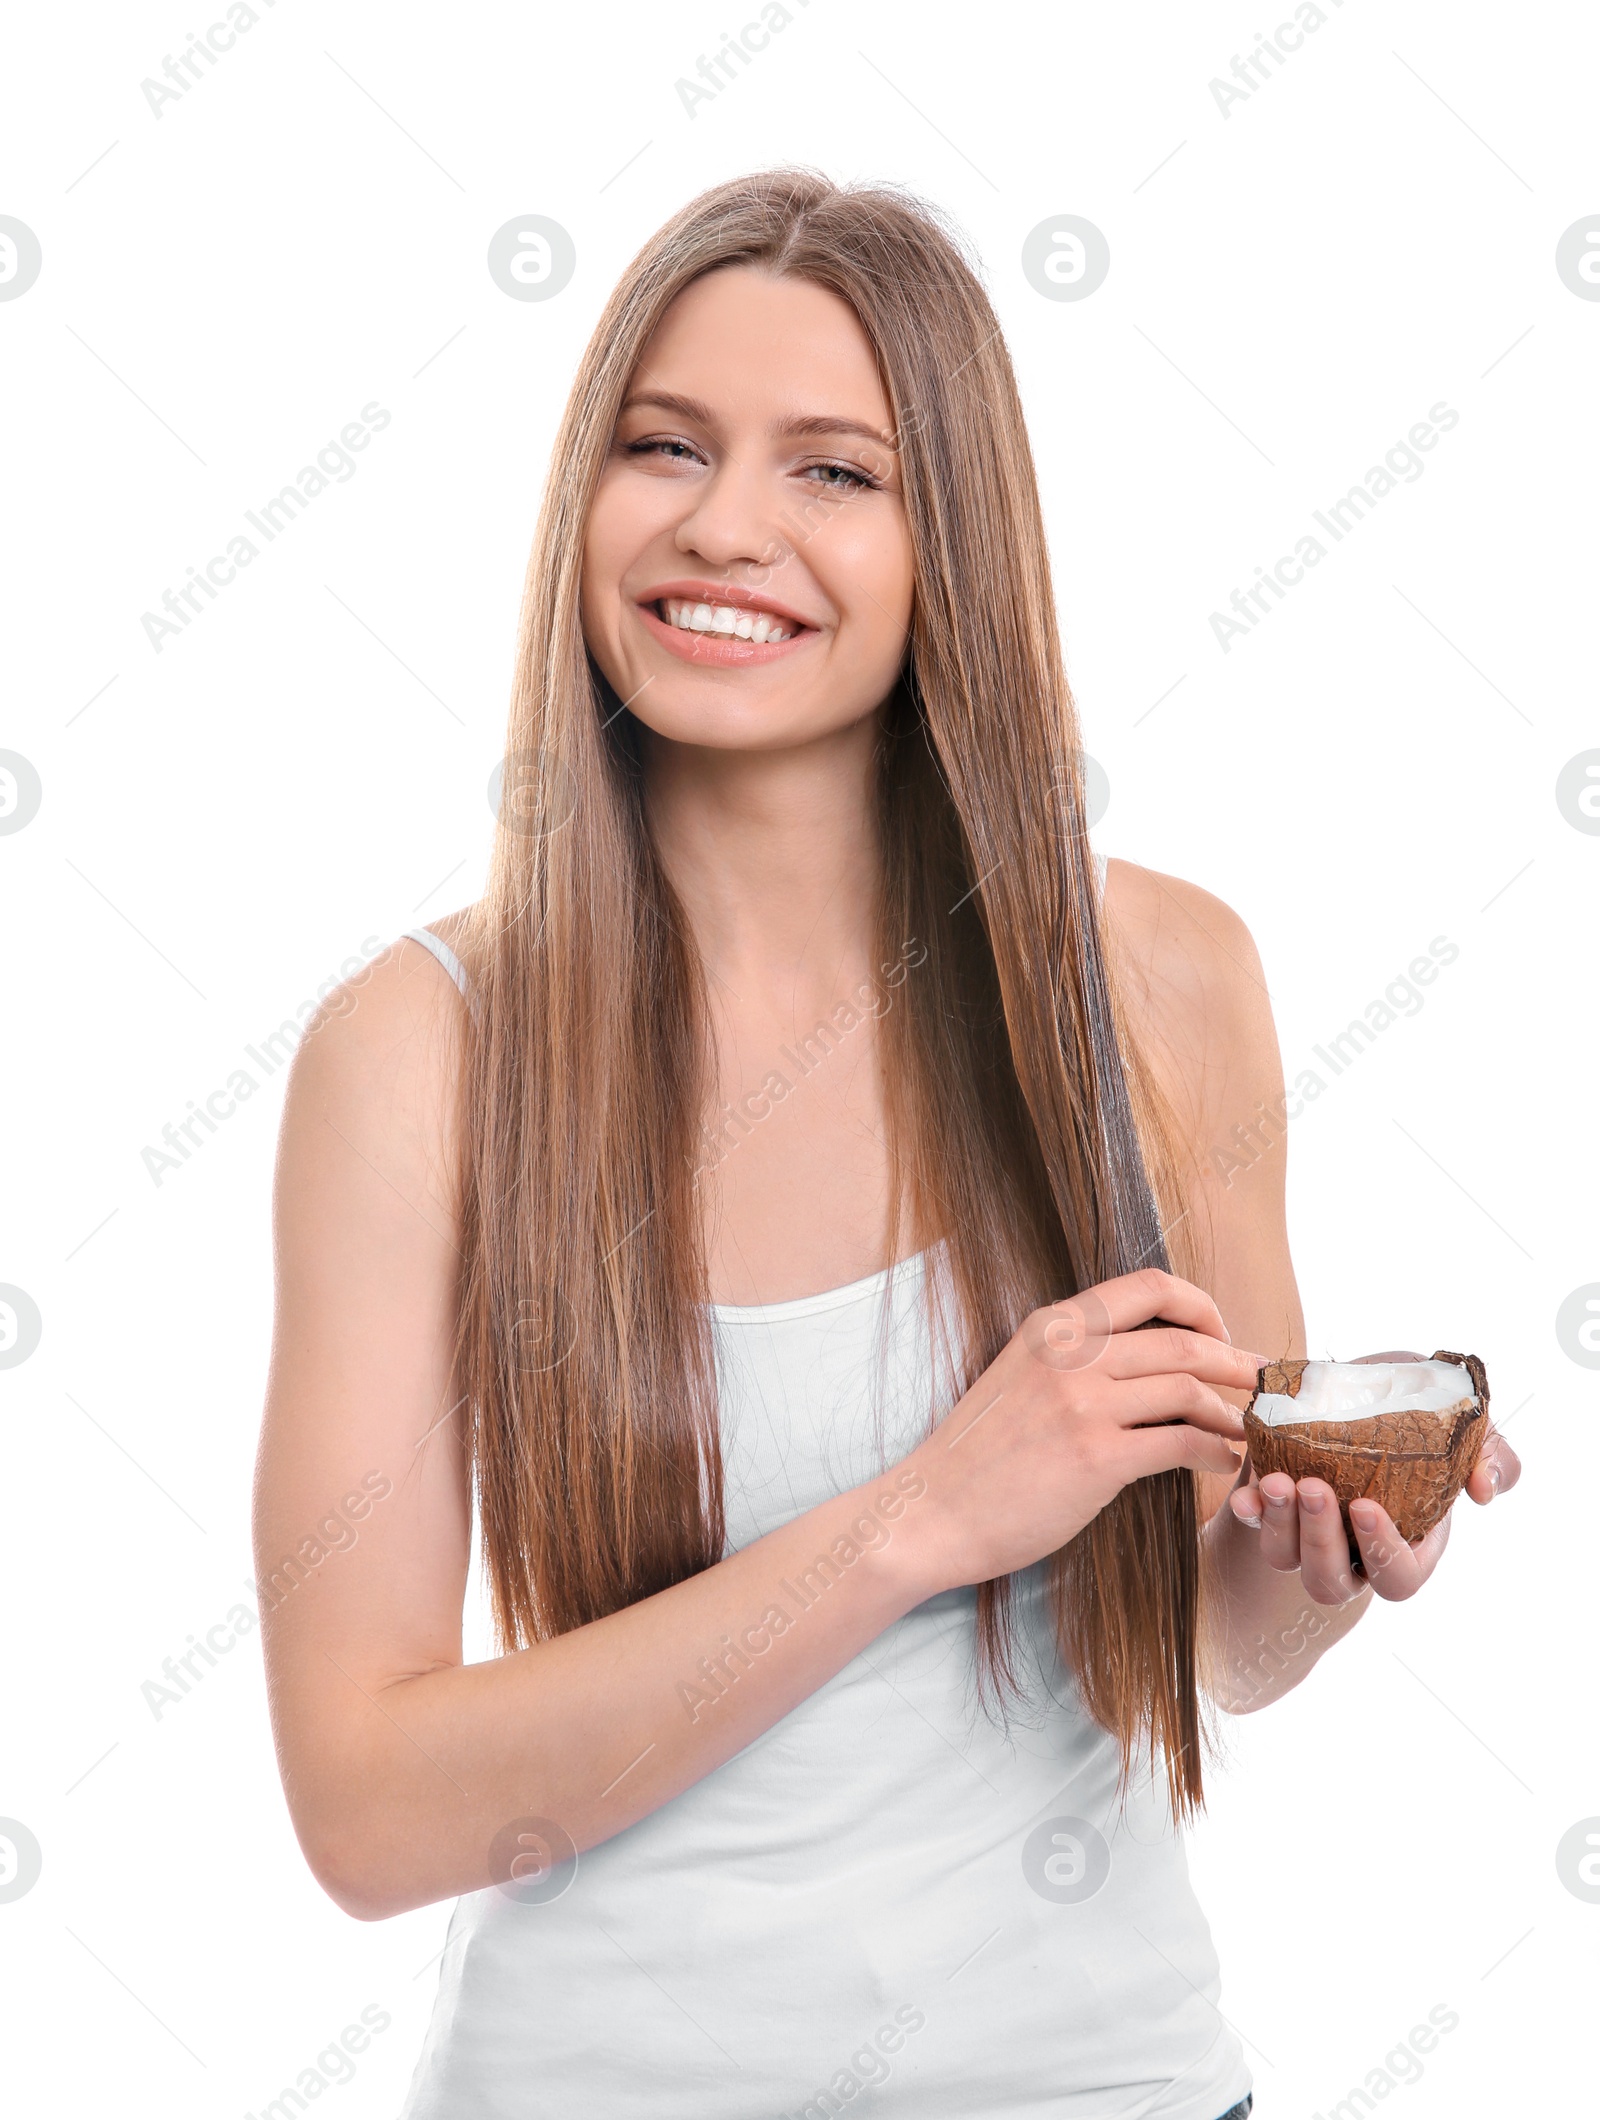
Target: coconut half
x,y
1404,1434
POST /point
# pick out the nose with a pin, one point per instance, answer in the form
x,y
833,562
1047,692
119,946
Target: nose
x,y
733,519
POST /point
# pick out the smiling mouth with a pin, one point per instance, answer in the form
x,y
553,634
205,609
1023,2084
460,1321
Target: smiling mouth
x,y
732,621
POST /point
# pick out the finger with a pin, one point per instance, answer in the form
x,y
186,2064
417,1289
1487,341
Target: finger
x,y
1077,1332
1132,1299
1394,1569
1497,1470
1245,1502
1172,1347
1324,1546
1280,1522
1393,1354
1138,1402
1509,1462
1180,1447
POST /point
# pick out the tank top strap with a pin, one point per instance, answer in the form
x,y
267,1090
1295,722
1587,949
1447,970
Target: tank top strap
x,y
446,956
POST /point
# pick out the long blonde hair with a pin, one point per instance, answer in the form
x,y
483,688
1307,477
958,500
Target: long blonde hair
x,y
1028,1128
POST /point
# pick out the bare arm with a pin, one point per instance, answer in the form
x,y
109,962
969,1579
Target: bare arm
x,y
400,1764
1193,971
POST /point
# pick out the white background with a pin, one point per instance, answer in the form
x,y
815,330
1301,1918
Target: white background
x,y
1293,285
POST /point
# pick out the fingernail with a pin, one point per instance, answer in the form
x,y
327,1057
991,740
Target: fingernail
x,y
1250,1521
1494,1478
1313,1502
1365,1514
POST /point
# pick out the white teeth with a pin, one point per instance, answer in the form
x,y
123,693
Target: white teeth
x,y
756,627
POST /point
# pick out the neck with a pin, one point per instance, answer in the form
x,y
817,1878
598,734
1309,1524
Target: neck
x,y
774,855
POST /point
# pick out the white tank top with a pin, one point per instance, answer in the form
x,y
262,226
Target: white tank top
x,y
885,1890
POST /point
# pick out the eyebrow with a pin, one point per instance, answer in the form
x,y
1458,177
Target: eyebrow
x,y
809,423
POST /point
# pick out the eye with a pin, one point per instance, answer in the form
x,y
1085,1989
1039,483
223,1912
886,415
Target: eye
x,y
843,478
668,447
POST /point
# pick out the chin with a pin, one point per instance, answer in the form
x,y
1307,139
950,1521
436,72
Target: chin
x,y
728,725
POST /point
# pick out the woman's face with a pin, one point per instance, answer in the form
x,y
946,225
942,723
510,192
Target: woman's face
x,y
747,574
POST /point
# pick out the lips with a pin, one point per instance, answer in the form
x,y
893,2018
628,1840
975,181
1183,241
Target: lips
x,y
721,650
697,591
722,624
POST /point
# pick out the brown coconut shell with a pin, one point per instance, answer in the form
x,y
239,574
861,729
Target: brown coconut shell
x,y
1411,1464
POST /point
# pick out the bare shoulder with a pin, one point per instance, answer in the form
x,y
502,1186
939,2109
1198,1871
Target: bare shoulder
x,y
451,927
1191,978
377,1070
402,1007
1176,936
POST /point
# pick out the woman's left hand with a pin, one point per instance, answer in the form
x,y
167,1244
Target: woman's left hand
x,y
1300,1524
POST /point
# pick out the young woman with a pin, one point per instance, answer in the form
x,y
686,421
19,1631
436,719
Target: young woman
x,y
758,1216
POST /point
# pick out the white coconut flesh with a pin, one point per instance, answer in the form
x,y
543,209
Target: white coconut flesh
x,y
1362,1391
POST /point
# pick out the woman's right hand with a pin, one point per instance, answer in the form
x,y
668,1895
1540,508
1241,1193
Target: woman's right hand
x,y
1086,1396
